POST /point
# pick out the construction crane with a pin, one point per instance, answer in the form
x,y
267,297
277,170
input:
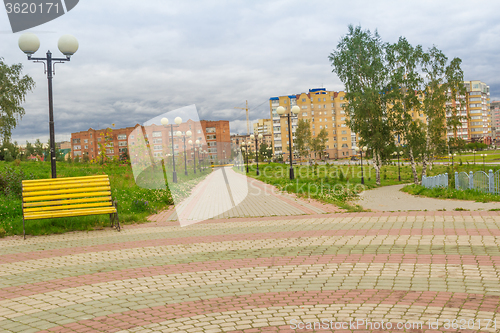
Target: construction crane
x,y
248,121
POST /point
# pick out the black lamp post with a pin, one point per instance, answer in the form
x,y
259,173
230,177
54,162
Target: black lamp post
x,y
364,149
256,138
245,151
179,135
452,155
398,153
164,122
281,111
194,155
269,150
68,45
483,156
474,151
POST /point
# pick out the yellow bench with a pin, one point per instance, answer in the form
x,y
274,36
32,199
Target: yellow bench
x,y
66,197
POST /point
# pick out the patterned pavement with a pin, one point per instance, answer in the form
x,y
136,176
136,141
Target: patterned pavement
x,y
349,272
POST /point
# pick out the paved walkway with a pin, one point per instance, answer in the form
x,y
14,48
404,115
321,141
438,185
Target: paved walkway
x,y
227,194
259,274
390,198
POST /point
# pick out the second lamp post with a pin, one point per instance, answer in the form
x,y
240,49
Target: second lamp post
x,y
281,111
361,150
259,137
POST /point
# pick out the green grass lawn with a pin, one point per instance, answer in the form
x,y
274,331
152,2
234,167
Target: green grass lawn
x,y
135,202
339,184
451,193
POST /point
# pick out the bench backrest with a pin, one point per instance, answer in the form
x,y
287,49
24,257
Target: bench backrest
x,y
66,193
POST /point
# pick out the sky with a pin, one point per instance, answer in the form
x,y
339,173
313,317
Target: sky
x,y
139,59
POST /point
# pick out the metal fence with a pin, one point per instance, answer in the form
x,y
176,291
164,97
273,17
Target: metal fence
x,y
480,180
435,181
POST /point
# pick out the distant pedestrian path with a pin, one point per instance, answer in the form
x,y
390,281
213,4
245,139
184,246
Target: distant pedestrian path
x,y
391,199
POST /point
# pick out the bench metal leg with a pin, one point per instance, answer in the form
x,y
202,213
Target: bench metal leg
x,y
114,217
24,231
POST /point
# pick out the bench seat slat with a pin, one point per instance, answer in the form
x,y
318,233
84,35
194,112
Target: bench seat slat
x,y
68,207
89,190
65,202
69,179
70,213
44,187
67,196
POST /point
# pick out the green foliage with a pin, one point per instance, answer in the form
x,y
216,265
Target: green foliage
x,y
302,138
359,62
450,193
13,90
11,181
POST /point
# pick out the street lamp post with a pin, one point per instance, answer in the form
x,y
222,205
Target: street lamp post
x,y
398,153
364,149
452,162
483,156
281,111
68,45
269,149
245,152
197,149
179,135
164,122
474,151
194,155
256,138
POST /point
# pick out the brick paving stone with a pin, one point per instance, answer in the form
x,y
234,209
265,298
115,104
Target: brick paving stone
x,y
256,274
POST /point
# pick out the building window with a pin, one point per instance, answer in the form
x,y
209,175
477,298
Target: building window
x,y
158,147
303,99
156,134
77,147
76,140
110,151
86,147
123,144
154,141
210,130
122,137
211,137
85,141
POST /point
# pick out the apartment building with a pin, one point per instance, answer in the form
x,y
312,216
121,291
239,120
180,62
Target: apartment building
x,y
237,140
214,138
476,116
263,126
323,109
87,143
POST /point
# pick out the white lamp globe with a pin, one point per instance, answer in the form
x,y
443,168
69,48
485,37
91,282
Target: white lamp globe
x,y
178,133
365,148
178,120
190,142
164,121
252,137
197,142
295,109
188,133
29,43
260,136
280,110
356,149
68,45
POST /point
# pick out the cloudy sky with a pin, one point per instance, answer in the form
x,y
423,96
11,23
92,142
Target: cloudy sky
x,y
138,59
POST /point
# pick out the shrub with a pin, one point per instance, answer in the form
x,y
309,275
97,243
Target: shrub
x,y
2,232
11,181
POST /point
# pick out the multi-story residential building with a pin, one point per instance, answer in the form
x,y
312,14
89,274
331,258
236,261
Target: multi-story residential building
x,y
476,116
214,137
237,140
495,121
323,109
263,126
87,143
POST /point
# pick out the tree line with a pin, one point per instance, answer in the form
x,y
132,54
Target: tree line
x,y
388,86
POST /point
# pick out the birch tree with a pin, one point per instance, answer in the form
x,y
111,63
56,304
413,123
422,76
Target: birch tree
x,y
359,62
